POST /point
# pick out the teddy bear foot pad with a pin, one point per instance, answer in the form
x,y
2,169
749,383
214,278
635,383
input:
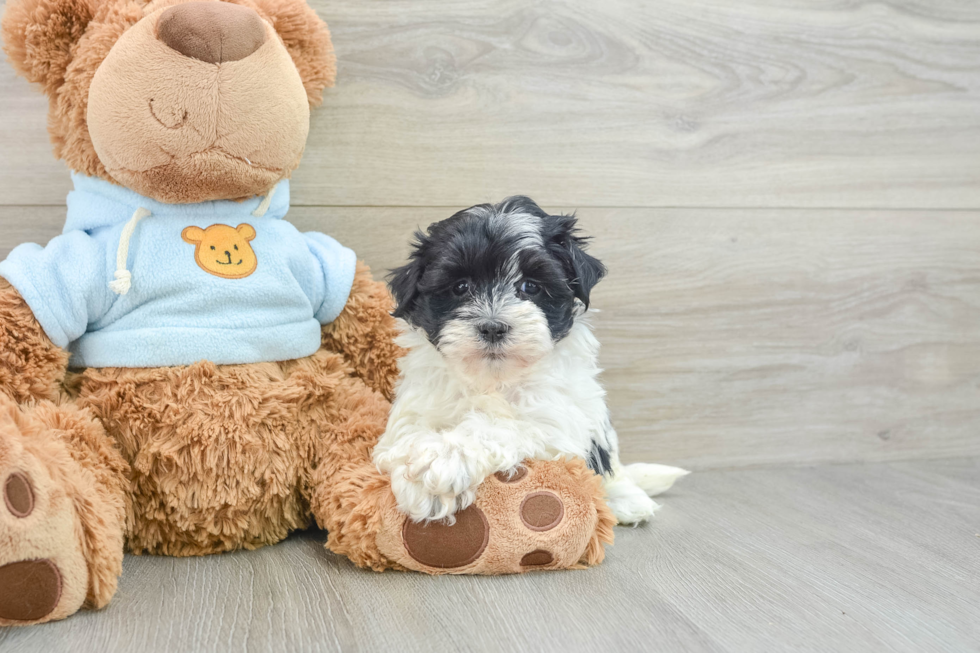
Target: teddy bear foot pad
x,y
29,589
533,520
43,573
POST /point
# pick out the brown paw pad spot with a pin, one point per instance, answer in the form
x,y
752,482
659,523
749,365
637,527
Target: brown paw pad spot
x,y
541,511
29,590
520,473
18,495
537,558
439,545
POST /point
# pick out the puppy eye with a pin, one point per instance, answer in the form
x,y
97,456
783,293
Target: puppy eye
x,y
461,288
529,288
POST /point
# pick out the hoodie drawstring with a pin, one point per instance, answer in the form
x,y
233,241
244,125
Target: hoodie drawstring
x,y
264,204
124,279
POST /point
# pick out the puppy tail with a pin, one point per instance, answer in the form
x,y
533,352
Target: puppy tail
x,y
654,479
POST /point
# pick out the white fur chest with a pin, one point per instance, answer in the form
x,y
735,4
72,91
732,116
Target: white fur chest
x,y
557,404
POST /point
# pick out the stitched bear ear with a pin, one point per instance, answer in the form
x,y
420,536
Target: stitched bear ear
x,y
39,37
192,235
308,41
246,231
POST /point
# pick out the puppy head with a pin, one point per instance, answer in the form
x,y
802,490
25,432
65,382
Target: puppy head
x,y
494,287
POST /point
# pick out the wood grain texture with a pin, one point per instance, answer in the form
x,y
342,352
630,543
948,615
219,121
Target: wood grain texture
x,y
879,557
622,103
735,338
732,337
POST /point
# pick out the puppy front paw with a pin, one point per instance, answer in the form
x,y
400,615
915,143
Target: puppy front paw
x,y
436,481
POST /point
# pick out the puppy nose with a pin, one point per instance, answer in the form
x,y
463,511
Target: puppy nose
x,y
493,331
214,32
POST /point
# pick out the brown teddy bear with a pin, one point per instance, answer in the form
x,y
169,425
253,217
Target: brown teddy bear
x,y
229,375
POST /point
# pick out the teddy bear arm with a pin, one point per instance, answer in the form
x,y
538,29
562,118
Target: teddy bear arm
x,y
31,366
364,333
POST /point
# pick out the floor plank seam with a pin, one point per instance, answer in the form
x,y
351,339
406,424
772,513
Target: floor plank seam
x,y
829,463
607,207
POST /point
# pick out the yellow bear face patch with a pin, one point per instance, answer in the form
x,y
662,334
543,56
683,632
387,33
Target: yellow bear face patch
x,y
222,250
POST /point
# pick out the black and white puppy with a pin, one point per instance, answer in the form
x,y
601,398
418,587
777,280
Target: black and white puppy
x,y
501,363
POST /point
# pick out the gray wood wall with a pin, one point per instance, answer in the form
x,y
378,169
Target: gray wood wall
x,y
787,194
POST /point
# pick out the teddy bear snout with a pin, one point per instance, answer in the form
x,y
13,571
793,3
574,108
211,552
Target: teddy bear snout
x,y
213,32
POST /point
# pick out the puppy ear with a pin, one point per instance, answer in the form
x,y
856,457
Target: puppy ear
x,y
588,270
584,271
404,281
39,37
307,40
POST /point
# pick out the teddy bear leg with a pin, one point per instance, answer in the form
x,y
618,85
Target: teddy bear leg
x,y
549,515
365,333
62,515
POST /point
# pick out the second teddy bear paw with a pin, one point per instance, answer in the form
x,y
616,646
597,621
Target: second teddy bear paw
x,y
43,574
47,551
550,515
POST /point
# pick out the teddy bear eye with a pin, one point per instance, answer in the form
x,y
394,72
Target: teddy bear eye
x,y
212,248
236,248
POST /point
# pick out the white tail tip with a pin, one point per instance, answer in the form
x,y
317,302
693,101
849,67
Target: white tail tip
x,y
654,479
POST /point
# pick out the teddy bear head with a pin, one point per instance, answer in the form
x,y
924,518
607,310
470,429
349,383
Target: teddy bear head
x,y
180,100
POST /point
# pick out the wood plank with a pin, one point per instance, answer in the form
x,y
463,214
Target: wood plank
x,y
622,103
835,558
735,338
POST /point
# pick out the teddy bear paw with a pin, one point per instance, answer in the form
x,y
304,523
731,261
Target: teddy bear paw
x,y
43,574
545,516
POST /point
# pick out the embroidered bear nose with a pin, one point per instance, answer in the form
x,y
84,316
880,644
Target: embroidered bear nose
x,y
214,32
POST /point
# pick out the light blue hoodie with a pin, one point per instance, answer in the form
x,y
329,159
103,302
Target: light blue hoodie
x,y
193,294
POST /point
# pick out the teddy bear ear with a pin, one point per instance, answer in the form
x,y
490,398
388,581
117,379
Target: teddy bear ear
x,y
39,37
246,231
192,235
308,41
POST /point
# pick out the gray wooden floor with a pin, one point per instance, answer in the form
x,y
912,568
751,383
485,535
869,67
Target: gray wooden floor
x,y
787,195
859,557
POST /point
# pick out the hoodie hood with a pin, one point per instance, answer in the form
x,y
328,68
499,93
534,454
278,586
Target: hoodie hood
x,y
96,203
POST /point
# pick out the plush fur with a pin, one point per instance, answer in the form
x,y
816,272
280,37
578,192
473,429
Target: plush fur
x,y
31,366
502,365
206,458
